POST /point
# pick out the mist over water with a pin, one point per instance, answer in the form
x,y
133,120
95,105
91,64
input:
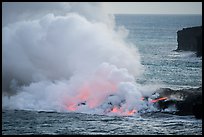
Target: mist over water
x,y
71,62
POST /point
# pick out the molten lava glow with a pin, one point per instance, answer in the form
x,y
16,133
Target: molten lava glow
x,y
84,93
123,112
92,92
131,112
115,110
156,100
71,107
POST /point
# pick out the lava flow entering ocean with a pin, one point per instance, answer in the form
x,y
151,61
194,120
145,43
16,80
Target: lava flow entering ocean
x,y
115,109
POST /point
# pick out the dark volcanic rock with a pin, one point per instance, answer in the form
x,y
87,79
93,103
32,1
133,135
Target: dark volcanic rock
x,y
190,39
187,101
199,48
197,110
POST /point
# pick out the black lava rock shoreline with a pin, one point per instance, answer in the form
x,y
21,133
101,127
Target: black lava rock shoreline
x,y
186,101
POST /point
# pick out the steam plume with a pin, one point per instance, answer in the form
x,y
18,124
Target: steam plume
x,y
59,60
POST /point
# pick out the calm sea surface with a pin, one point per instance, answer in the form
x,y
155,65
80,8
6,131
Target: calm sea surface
x,y
155,36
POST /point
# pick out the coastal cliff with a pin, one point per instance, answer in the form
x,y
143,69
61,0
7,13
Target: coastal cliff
x,y
190,39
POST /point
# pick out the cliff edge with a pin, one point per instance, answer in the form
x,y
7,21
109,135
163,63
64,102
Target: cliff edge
x,y
190,39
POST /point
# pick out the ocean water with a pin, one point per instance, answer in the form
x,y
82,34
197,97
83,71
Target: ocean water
x,y
54,123
155,38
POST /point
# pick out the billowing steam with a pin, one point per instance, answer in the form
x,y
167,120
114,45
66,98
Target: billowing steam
x,y
70,62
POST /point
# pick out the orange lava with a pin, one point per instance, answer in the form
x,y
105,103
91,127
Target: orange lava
x,y
123,112
87,93
156,100
92,92
131,112
115,110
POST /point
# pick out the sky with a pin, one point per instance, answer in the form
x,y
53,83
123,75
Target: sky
x,y
153,7
16,11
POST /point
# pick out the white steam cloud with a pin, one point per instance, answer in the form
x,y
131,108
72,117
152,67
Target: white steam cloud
x,y
75,60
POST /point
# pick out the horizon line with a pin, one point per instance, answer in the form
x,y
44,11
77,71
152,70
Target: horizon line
x,y
159,13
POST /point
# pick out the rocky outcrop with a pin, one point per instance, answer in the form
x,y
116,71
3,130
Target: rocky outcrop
x,y
190,39
199,47
186,101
